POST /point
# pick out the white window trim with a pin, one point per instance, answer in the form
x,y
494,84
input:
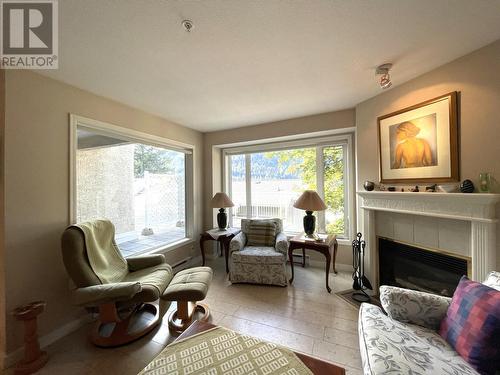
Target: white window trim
x,y
166,248
340,139
134,135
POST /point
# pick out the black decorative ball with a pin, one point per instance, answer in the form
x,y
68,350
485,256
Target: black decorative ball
x,y
467,186
369,185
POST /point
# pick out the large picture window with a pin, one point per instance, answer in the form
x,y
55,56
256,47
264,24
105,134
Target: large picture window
x,y
264,182
140,186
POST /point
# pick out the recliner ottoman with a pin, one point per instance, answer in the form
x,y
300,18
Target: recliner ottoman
x,y
186,288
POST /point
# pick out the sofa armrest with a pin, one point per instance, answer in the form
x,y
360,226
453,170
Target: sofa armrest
x,y
145,261
96,295
281,243
237,242
410,306
493,280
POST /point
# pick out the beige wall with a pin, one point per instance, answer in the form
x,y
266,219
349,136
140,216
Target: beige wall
x,y
213,161
477,77
37,187
2,218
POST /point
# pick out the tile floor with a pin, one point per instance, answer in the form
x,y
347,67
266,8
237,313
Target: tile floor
x,y
303,317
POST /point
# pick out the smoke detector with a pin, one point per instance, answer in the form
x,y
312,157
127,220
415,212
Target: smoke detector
x,y
187,25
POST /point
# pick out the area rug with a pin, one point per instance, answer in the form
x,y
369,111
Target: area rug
x,y
222,351
346,295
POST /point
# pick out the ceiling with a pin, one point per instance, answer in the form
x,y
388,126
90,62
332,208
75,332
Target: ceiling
x,y
248,62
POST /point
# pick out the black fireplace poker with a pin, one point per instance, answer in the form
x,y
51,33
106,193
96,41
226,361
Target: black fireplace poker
x,y
360,282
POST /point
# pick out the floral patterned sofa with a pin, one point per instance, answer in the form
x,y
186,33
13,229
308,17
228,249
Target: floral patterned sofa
x,y
406,341
258,264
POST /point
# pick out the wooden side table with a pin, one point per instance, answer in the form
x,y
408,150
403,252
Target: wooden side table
x,y
328,248
224,237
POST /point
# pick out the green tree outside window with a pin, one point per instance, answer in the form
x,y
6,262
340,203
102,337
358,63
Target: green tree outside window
x,y
302,162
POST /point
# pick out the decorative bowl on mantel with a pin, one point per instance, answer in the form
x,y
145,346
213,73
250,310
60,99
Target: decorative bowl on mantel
x,y
369,185
447,188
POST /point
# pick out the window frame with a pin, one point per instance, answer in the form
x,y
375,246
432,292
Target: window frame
x,y
112,130
345,140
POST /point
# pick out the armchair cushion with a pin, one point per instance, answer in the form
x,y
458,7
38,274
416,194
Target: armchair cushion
x,y
261,233
258,255
245,224
96,295
237,242
410,306
154,280
282,243
145,261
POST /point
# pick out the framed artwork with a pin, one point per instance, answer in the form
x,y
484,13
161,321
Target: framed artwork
x,y
420,143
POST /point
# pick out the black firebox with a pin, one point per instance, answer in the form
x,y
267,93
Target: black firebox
x,y
416,268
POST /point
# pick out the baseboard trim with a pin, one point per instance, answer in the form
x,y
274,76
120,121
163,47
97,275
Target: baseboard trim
x,y
321,264
195,261
45,340
181,264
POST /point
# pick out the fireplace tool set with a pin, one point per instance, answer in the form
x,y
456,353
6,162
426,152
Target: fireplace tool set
x,y
360,281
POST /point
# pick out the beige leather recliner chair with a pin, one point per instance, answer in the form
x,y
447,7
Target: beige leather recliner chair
x,y
124,312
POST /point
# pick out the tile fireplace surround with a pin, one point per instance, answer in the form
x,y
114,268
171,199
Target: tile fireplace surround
x,y
476,213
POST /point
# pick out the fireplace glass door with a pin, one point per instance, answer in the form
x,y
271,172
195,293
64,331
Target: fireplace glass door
x,y
415,268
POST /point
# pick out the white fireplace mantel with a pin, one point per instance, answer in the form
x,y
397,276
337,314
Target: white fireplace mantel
x,y
458,206
477,209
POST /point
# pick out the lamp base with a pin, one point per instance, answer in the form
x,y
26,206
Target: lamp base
x,y
313,236
309,224
222,219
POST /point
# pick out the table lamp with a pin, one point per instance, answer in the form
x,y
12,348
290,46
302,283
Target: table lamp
x,y
310,201
221,201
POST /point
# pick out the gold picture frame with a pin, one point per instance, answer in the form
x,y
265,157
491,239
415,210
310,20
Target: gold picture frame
x,y
420,143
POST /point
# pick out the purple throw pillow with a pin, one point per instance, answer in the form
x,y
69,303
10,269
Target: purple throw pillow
x,y
472,325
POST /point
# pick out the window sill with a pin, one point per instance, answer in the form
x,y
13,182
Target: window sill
x,y
165,249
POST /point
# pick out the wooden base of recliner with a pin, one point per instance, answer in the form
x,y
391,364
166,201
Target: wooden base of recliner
x,y
179,320
112,330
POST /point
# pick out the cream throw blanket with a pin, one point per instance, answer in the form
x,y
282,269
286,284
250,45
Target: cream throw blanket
x,y
104,256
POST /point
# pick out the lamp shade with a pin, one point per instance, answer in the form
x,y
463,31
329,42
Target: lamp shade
x,y
310,201
221,200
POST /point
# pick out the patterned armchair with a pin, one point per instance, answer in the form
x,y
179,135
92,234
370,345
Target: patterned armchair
x,y
258,253
406,341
